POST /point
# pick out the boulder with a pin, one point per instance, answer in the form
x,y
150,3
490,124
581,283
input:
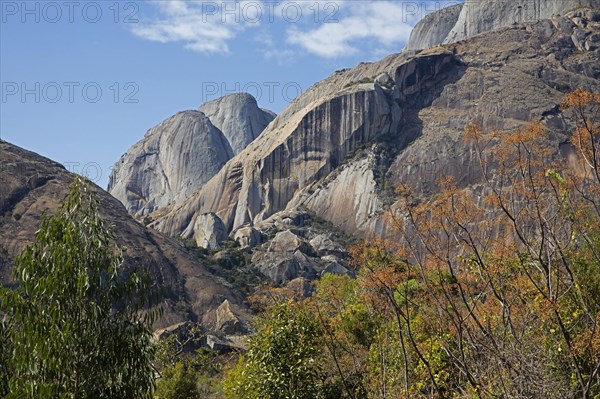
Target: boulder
x,y
287,241
248,237
227,322
208,231
300,287
336,268
330,258
578,37
324,245
227,344
281,267
187,335
385,80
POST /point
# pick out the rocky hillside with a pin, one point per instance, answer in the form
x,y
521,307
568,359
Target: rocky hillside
x,y
31,185
473,17
182,153
340,148
275,199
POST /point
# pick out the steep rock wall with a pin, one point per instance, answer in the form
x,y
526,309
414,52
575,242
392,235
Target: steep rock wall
x,y
479,16
433,29
238,117
173,160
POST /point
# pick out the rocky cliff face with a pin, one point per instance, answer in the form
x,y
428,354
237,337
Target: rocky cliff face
x,y
31,185
183,152
238,117
290,155
463,21
341,147
433,29
483,16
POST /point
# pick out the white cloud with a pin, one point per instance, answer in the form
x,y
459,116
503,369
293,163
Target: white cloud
x,y
202,27
380,23
324,28
271,51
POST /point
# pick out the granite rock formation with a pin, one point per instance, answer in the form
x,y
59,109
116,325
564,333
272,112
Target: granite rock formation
x,y
341,147
473,17
434,28
478,16
208,231
173,160
238,117
179,155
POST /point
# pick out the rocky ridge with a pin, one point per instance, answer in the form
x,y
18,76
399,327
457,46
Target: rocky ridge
x,y
31,185
340,148
473,17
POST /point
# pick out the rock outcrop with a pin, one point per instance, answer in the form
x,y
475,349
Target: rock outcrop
x,y
183,152
340,148
434,28
290,155
248,237
31,185
463,21
227,322
479,16
324,246
312,138
238,117
173,160
336,268
348,198
189,336
287,241
207,230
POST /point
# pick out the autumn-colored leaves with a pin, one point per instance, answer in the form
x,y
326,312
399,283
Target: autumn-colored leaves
x,y
509,269
486,291
504,275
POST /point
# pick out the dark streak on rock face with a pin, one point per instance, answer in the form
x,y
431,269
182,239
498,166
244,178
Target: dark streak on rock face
x,y
325,152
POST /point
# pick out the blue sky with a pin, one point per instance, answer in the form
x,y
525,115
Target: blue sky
x,y
81,81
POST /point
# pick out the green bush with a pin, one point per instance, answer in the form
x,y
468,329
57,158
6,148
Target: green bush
x,y
179,381
281,361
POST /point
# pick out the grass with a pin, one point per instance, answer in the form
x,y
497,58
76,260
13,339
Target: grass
x,y
362,81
